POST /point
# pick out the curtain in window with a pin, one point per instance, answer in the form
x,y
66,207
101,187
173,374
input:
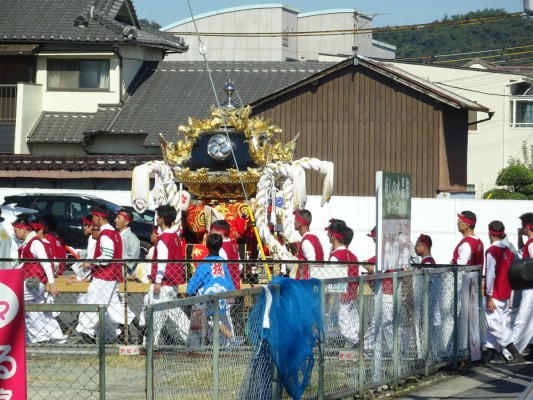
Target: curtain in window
x,y
104,75
525,111
62,74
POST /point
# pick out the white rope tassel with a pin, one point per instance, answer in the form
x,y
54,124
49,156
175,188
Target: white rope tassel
x,y
140,187
300,195
328,170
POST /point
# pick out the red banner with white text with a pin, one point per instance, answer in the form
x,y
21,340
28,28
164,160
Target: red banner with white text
x,y
12,339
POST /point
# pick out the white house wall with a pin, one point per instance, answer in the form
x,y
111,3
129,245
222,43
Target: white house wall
x,y
29,108
494,142
132,60
77,100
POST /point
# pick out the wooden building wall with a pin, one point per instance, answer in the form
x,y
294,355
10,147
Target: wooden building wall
x,y
365,122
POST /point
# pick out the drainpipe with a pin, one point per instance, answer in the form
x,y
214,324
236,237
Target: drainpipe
x,y
491,114
116,50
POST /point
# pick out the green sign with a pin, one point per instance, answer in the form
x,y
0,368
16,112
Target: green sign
x,y
396,191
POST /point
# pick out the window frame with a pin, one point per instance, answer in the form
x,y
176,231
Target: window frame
x,y
513,122
51,62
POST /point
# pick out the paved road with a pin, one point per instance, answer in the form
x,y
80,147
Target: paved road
x,y
496,382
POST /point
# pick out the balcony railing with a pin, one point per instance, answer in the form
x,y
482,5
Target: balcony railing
x,y
8,104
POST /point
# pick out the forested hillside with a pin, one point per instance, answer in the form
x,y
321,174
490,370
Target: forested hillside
x,y
498,36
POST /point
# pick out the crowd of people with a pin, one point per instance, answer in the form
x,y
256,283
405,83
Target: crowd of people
x,y
505,340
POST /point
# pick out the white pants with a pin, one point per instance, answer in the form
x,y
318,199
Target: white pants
x,y
176,316
102,292
385,325
499,334
349,321
523,325
40,327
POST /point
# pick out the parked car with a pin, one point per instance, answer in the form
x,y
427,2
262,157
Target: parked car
x,y
147,215
67,210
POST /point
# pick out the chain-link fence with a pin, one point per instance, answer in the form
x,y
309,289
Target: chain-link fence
x,y
377,329
61,368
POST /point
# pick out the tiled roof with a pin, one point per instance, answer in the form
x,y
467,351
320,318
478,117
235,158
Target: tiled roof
x,y
37,21
165,94
60,128
106,162
423,85
173,91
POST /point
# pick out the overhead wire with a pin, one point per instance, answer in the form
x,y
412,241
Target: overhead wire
x,y
386,29
203,52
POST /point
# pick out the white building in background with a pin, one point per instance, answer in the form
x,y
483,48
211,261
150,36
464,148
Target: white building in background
x,y
490,143
277,32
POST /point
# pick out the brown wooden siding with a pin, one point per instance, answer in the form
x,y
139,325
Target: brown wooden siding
x,y
365,122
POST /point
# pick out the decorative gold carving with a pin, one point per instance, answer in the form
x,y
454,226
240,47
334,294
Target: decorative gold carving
x,y
262,147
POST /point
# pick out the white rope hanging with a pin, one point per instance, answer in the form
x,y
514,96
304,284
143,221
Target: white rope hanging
x,y
295,196
165,190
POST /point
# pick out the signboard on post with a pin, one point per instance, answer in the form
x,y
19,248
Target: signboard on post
x,y
12,336
393,205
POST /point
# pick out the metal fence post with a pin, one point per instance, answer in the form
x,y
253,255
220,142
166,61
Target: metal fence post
x,y
216,347
150,352
361,310
455,317
321,343
426,322
395,329
480,301
101,348
276,387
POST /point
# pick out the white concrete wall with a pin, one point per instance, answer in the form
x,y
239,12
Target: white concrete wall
x,y
269,19
490,147
434,217
310,46
29,108
252,19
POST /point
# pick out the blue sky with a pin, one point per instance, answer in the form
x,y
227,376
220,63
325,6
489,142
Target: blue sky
x,y
389,12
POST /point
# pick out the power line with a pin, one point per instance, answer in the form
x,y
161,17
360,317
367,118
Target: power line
x,y
386,29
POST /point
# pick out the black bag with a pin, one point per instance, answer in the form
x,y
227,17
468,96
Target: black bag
x,y
520,274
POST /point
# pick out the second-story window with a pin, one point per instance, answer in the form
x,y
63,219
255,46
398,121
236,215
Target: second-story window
x,y
68,74
521,105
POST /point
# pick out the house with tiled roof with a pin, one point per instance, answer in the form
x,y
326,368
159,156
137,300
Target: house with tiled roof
x,y
85,92
60,60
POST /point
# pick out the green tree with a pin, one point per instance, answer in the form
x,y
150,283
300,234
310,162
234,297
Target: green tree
x,y
422,45
152,24
515,182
